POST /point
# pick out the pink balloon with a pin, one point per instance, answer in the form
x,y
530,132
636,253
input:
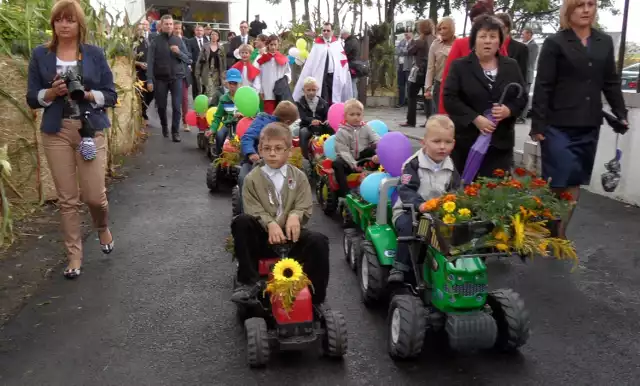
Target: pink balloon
x,y
191,118
335,115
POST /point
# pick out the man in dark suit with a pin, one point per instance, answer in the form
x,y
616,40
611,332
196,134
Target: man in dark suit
x,y
515,49
195,45
527,39
141,47
236,42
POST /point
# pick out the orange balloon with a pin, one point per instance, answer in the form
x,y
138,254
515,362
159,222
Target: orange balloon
x,y
243,126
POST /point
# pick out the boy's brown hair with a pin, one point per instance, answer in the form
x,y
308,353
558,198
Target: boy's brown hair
x,y
286,112
276,130
272,38
262,38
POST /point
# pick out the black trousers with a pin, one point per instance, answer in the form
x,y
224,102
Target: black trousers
x,y
146,98
327,88
161,91
307,132
342,169
252,243
412,100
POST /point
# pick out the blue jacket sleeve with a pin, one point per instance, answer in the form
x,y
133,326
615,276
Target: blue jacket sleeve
x,y
410,184
250,137
35,83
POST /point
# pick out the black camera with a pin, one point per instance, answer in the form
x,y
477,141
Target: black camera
x,y
74,84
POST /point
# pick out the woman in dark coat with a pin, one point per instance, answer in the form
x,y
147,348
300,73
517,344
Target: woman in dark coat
x,y
473,87
575,66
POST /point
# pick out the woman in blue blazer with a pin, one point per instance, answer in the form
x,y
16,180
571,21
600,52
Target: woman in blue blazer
x,y
65,119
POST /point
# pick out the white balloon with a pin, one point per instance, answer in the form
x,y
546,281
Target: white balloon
x,y
293,51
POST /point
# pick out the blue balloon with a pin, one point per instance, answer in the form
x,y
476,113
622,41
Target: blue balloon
x,y
379,127
370,187
292,59
330,148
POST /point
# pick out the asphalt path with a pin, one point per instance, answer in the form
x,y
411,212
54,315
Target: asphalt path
x,y
156,311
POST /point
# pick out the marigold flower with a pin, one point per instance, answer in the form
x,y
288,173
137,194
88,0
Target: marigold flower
x,y
499,173
520,172
471,191
449,198
566,196
515,184
502,247
449,218
430,206
449,207
501,236
476,185
538,182
547,213
537,200
464,212
492,185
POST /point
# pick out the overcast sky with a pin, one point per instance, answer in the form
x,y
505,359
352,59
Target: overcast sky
x,y
282,13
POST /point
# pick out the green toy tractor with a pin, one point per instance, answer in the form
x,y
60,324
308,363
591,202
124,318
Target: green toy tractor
x,y
449,292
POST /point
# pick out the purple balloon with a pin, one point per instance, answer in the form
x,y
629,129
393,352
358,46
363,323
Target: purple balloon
x,y
393,150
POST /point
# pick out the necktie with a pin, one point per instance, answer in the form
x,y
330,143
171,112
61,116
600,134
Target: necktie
x,y
200,43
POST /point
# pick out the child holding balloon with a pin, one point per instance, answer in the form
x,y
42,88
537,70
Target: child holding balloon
x,y
353,141
226,112
428,174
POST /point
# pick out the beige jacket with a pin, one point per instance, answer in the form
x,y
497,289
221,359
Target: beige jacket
x,y
259,198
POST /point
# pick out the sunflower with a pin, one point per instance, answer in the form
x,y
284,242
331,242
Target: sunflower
x,y
287,270
286,282
449,207
321,139
449,219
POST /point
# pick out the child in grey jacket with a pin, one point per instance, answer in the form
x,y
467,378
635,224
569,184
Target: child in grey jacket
x,y
354,140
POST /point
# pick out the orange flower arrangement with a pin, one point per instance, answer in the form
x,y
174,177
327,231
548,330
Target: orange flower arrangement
x,y
537,200
430,206
492,185
471,191
538,182
499,173
566,196
520,172
449,198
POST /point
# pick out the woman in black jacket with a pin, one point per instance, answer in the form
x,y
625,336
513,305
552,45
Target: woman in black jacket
x,y
473,87
575,66
313,112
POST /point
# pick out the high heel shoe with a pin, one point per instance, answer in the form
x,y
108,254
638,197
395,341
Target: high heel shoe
x,y
71,273
107,248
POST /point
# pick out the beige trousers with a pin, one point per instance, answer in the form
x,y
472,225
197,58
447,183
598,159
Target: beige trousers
x,y
75,180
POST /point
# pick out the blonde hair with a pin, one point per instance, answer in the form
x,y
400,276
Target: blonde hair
x,y
568,6
310,80
439,121
352,104
447,20
67,9
245,47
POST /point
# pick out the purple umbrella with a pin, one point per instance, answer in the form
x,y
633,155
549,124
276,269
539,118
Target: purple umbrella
x,y
480,147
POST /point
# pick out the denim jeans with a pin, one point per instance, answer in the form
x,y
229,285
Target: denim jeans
x,y
402,86
354,87
221,135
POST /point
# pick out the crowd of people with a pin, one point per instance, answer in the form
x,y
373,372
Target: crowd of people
x,y
478,85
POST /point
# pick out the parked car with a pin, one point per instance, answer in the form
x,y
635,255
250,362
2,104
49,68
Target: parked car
x,y
629,77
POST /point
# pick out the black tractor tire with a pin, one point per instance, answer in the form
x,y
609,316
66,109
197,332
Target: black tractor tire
x,y
202,141
330,204
258,350
406,327
335,342
235,201
212,178
512,319
372,276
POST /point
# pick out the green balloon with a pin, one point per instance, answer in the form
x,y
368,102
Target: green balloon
x,y
247,101
201,104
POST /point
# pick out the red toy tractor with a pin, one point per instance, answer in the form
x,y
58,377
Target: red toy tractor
x,y
268,326
327,186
